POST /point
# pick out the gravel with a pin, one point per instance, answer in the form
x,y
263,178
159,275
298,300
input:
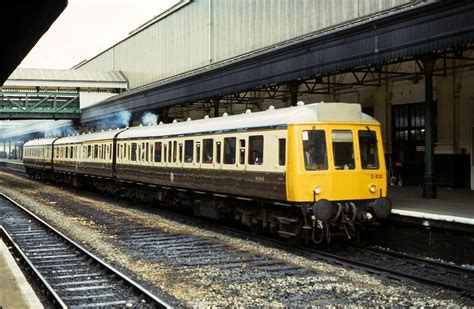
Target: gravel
x,y
315,283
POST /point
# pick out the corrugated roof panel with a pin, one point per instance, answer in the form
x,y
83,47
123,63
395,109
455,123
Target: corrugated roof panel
x,y
205,32
67,75
23,77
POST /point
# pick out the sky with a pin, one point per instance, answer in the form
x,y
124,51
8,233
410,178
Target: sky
x,y
87,27
84,29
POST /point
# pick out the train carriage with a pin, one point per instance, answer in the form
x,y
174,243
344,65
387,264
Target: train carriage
x,y
38,156
86,154
294,171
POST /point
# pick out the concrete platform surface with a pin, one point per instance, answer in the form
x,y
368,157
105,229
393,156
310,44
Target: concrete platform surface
x,y
452,205
15,291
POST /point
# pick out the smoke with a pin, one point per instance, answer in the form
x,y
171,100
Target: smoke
x,y
149,118
123,118
57,128
38,128
117,120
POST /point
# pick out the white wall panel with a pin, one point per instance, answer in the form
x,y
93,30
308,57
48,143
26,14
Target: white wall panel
x,y
211,31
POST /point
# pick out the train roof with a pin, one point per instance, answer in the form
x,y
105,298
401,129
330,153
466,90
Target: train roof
x,y
40,142
310,113
97,136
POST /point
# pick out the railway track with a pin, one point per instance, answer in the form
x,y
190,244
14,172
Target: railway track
x,y
401,265
69,275
192,254
374,260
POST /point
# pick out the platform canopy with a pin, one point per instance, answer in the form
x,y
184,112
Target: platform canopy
x,y
432,27
23,23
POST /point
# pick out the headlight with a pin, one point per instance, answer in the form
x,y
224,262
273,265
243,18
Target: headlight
x,y
372,188
317,189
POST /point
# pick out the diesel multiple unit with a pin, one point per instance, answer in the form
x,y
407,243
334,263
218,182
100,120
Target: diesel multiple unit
x,y
304,171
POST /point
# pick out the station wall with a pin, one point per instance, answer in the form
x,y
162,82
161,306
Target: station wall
x,y
202,33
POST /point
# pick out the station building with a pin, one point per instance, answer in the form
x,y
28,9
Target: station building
x,y
197,38
408,63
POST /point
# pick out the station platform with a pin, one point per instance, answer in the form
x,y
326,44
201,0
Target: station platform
x,y
12,165
15,291
452,205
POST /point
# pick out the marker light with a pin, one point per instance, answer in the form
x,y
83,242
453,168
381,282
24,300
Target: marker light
x,y
317,189
372,188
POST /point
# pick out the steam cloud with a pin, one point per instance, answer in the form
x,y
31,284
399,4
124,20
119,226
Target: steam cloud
x,y
54,130
149,118
117,120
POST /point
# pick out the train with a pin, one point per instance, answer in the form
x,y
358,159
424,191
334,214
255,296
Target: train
x,y
310,171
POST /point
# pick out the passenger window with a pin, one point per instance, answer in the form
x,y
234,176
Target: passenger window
x,y
158,152
368,150
147,149
282,151
165,158
314,147
188,151
96,151
229,150
255,150
207,150
67,152
198,152
343,149
134,152
180,157
170,147
89,152
218,152
242,151
175,151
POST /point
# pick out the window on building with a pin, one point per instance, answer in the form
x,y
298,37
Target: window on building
x,y
282,151
255,150
207,150
157,151
188,151
229,150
